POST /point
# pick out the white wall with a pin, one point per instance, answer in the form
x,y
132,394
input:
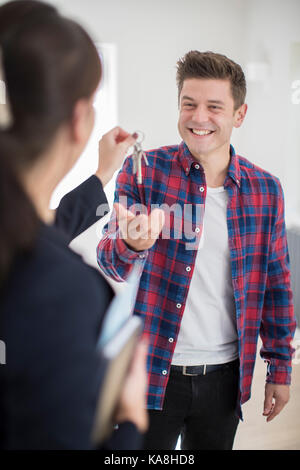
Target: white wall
x,y
271,135
150,36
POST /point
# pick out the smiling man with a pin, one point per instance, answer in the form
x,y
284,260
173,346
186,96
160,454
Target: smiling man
x,y
208,113
204,307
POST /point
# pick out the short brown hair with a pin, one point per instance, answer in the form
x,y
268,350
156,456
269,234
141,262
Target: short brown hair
x,y
210,65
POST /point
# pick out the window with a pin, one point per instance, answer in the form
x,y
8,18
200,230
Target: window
x,y
106,118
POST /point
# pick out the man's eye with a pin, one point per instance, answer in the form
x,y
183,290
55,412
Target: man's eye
x,y
215,107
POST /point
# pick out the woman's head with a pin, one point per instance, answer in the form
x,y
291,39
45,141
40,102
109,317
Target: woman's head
x,y
52,70
50,63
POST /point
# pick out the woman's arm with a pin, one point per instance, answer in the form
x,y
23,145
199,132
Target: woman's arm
x,y
82,207
78,209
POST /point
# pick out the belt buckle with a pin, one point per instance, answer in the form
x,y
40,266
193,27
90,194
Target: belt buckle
x,y
184,372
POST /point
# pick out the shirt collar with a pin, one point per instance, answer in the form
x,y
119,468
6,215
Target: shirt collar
x,y
186,159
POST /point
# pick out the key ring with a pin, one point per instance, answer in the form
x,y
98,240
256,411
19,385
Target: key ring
x,y
137,156
138,140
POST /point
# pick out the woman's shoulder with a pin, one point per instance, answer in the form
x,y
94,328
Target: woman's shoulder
x,y
53,256
53,277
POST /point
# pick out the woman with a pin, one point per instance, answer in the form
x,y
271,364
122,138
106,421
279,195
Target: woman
x,y
51,303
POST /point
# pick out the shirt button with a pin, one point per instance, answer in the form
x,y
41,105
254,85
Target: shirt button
x,y
171,340
201,189
188,268
197,229
164,372
197,166
178,305
141,256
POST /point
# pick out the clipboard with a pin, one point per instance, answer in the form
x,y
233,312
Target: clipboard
x,y
119,336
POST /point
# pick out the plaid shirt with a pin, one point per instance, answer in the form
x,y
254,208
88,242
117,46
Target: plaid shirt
x,y
259,263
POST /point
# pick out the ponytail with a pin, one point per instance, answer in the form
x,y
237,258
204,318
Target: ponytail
x,y
18,218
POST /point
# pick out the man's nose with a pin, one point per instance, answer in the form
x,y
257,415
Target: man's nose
x,y
200,114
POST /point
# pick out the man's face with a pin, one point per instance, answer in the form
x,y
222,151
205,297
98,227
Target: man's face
x,y
207,116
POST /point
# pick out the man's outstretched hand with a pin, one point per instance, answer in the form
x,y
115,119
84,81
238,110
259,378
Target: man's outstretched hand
x,y
139,231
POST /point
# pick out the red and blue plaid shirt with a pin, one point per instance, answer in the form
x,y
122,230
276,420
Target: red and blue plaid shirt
x,y
259,263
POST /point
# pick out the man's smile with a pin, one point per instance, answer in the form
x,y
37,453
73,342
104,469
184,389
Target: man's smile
x,y
201,132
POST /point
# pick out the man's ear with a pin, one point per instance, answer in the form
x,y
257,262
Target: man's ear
x,y
239,115
78,123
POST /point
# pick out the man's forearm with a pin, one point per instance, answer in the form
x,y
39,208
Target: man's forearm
x,y
115,257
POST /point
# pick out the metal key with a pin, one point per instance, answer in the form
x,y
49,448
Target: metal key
x,y
137,156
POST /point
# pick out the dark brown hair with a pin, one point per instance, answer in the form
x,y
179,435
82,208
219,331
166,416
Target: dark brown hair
x,y
210,65
49,63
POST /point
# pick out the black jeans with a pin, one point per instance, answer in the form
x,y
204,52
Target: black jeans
x,y
202,409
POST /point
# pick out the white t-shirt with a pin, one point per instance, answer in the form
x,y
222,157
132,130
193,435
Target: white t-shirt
x,y
208,333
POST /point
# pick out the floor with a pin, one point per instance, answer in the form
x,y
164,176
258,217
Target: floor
x,y
282,433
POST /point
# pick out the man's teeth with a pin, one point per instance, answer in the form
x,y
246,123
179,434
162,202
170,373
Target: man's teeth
x,y
205,132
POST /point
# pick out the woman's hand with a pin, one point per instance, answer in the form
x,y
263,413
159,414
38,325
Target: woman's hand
x,y
132,403
113,147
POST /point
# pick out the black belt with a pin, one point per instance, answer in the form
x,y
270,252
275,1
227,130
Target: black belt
x,y
202,369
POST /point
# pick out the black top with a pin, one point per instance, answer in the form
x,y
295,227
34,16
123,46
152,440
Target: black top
x,y
52,306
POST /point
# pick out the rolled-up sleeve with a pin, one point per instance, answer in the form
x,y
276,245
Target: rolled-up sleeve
x,y
278,319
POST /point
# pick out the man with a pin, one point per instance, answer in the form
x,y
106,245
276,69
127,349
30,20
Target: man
x,y
204,306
